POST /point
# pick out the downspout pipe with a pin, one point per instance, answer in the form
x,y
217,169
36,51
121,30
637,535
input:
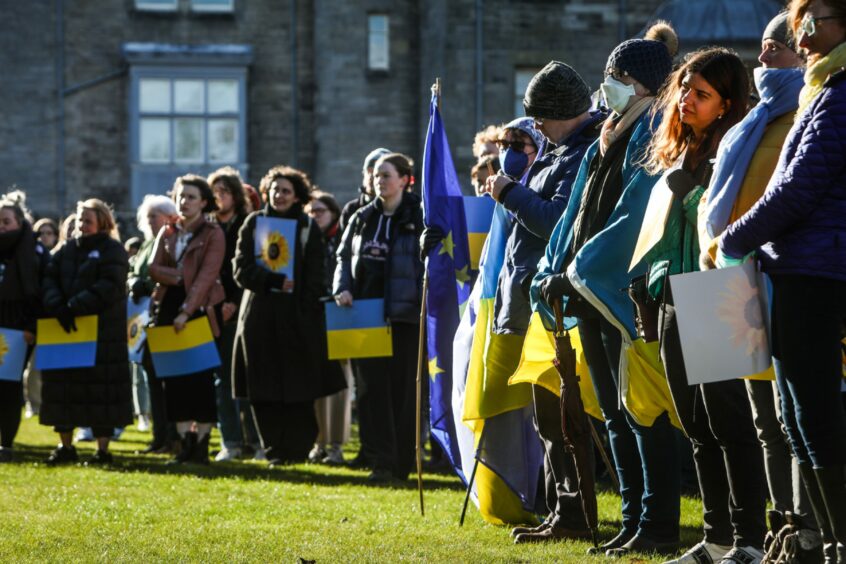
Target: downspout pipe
x,y
295,118
480,85
61,194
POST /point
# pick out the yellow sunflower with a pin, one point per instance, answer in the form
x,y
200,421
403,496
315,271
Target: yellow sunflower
x,y
134,332
4,348
741,310
274,251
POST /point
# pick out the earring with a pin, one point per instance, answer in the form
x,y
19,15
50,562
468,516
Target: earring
x,y
720,116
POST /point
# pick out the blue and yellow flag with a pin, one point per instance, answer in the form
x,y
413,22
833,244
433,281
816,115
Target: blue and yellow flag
x,y
479,212
12,354
358,331
448,270
56,349
178,354
274,240
137,318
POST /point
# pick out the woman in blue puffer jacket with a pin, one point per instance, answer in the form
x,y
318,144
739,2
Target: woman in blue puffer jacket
x,y
799,228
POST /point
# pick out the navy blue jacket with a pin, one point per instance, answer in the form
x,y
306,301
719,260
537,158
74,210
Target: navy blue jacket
x,y
800,222
536,208
403,268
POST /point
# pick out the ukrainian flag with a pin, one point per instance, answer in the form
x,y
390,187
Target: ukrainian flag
x,y
358,331
479,214
56,349
187,352
12,354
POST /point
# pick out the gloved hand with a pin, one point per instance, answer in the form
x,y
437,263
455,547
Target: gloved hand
x,y
274,282
680,183
66,319
429,239
554,287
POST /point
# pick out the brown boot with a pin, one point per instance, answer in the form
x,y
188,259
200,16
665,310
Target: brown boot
x,y
553,533
522,530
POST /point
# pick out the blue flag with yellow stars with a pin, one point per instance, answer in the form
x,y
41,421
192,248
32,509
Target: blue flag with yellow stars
x,y
448,269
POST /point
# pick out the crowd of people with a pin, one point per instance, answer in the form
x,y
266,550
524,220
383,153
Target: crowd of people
x,y
753,172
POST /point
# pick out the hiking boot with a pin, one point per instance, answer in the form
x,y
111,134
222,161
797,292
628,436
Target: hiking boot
x,y
772,541
798,543
743,555
100,458
552,533
62,455
640,543
702,553
189,442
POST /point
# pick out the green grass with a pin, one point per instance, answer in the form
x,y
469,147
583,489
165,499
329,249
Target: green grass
x,y
138,510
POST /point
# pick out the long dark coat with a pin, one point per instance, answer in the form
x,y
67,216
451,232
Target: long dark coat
x,y
89,274
280,342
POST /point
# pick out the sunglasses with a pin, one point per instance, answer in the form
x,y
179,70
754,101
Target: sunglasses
x,y
808,25
504,144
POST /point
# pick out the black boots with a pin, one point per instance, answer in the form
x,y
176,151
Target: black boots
x,y
832,486
189,444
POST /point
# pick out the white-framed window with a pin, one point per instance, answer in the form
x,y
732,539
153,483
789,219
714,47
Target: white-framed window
x,y
522,77
214,6
188,119
378,42
157,5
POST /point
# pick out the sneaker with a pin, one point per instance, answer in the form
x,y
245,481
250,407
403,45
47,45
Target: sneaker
x,y
84,435
228,454
743,555
5,455
334,456
702,553
260,455
317,454
62,455
30,411
144,423
116,433
100,458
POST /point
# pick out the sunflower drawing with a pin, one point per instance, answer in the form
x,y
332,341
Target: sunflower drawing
x,y
4,348
135,332
740,309
274,251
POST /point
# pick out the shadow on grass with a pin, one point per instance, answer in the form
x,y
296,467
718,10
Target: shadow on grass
x,y
128,462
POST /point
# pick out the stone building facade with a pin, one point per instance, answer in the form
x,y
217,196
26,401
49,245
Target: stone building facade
x,y
114,98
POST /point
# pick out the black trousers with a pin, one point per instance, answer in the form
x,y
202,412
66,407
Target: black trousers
x,y
717,417
163,430
560,478
386,398
11,402
287,430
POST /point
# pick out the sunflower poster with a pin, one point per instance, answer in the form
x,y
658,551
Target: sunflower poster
x,y
137,318
12,354
274,244
723,319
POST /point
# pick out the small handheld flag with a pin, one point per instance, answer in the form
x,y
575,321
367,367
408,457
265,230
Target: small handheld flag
x,y
187,352
359,331
274,244
137,318
479,212
12,354
57,349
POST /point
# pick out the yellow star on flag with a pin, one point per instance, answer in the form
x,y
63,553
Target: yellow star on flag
x,y
447,246
434,369
462,276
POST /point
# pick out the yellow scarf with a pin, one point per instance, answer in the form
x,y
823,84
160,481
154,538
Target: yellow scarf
x,y
818,73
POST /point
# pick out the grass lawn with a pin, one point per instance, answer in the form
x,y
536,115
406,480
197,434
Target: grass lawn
x,y
140,511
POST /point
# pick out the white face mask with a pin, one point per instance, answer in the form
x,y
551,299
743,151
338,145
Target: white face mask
x,y
616,94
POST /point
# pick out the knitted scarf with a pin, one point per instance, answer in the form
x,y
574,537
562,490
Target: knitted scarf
x,y
818,73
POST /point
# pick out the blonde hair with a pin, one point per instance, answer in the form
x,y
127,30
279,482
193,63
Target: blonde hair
x,y
103,213
490,134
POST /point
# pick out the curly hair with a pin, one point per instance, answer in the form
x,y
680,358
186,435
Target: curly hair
x,y
299,179
231,180
15,200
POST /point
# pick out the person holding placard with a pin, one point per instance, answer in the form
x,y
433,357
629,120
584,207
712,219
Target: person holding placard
x,y
87,277
797,229
186,267
280,342
20,302
703,99
379,257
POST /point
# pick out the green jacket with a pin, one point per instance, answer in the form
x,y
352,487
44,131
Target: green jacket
x,y
139,266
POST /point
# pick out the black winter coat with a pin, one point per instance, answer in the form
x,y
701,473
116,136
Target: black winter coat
x,y
280,343
89,274
403,267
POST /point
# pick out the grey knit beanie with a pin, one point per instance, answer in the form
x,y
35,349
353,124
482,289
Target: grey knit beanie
x,y
779,30
374,156
648,60
556,92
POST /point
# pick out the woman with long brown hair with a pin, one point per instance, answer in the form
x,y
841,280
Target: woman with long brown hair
x,y
704,98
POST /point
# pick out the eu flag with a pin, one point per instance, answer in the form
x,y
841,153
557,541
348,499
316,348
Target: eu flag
x,y
448,269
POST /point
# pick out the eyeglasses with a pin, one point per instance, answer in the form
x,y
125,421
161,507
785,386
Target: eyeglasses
x,y
516,145
538,121
808,24
616,74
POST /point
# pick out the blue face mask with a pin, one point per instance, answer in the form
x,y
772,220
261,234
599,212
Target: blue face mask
x,y
512,162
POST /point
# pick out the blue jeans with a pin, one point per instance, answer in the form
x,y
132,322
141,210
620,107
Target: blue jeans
x,y
808,314
646,458
228,414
